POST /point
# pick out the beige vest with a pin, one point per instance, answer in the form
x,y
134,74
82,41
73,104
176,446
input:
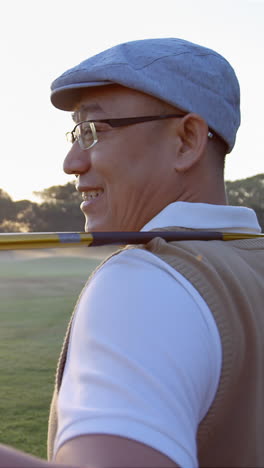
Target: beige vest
x,y
229,276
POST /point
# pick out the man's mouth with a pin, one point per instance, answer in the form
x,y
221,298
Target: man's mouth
x,y
91,194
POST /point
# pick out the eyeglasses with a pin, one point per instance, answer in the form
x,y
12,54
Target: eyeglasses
x,y
86,132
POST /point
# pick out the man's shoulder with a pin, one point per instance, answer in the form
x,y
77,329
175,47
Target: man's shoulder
x,y
126,257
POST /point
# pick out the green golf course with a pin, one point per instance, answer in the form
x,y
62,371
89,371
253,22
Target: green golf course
x,y
38,294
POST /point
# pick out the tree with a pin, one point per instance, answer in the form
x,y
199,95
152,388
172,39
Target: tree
x,y
14,226
58,193
7,210
248,192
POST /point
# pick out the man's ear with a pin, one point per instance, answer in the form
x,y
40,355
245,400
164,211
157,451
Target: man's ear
x,y
192,134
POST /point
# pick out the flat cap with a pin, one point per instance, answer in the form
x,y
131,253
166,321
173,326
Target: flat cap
x,y
188,76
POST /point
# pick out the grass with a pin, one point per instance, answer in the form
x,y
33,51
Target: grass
x,y
37,299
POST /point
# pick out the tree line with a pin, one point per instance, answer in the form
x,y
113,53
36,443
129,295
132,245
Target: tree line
x,y
59,209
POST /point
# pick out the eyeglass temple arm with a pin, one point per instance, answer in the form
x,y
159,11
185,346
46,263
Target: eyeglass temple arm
x,y
135,120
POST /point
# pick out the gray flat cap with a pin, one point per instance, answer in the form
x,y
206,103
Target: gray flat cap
x,y
186,75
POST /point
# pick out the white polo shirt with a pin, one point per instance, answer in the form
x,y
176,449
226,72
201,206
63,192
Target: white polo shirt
x,y
144,356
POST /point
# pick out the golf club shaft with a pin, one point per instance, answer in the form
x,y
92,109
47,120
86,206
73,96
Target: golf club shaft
x,y
38,240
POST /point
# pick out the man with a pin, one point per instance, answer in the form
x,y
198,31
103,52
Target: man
x,y
163,360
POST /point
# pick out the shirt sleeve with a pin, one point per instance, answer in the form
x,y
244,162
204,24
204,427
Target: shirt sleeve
x,y
144,358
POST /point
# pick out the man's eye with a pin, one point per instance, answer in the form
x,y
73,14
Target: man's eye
x,y
83,129
86,130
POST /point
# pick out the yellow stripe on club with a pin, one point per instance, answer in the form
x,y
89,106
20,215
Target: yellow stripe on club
x,y
32,240
227,236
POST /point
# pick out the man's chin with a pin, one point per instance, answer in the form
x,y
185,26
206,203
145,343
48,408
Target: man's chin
x,y
91,226
106,225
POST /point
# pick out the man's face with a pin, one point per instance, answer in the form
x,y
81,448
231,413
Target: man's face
x,y
128,176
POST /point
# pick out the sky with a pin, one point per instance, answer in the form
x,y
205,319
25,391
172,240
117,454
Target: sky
x,y
40,39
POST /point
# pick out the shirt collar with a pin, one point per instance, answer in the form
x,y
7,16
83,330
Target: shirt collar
x,y
206,216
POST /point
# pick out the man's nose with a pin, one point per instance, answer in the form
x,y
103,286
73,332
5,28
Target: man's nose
x,y
77,160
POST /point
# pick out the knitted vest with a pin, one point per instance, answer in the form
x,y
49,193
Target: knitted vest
x,y
229,276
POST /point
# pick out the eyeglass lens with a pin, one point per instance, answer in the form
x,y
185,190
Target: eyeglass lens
x,y
85,134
